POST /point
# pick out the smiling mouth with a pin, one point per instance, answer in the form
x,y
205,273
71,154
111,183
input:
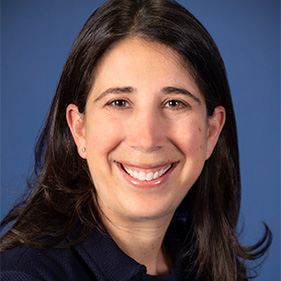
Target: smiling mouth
x,y
147,175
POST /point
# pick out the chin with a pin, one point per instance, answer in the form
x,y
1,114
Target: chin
x,y
147,212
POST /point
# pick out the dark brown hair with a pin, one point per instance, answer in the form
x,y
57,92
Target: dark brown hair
x,y
61,193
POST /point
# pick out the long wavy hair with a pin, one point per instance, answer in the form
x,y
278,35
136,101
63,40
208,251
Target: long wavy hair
x,y
61,192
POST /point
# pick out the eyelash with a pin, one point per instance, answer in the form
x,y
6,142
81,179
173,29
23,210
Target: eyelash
x,y
176,104
115,103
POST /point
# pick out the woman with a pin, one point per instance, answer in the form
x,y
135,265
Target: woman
x,y
137,172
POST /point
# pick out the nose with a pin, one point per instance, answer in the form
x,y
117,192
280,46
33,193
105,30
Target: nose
x,y
146,131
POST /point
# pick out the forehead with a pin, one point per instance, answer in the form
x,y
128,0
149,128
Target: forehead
x,y
144,66
128,51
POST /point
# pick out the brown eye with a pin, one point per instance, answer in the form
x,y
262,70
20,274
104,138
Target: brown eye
x,y
119,103
176,104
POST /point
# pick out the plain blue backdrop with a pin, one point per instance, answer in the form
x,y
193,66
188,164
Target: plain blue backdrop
x,y
37,36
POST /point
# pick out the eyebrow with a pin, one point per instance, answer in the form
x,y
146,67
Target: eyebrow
x,y
130,90
180,91
116,90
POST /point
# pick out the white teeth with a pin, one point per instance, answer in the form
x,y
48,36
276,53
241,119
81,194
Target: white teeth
x,y
149,176
156,175
143,176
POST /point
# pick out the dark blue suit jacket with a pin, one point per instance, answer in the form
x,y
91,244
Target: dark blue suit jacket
x,y
96,258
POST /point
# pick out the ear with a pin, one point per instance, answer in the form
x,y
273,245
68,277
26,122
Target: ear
x,y
215,125
75,121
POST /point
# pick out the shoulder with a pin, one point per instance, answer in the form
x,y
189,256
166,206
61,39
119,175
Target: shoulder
x,y
24,263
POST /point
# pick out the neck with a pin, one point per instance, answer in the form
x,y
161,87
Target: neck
x,y
142,241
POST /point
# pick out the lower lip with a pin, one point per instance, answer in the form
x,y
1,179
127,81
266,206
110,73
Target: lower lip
x,y
146,184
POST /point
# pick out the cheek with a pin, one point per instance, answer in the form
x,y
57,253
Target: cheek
x,y
192,138
102,135
193,146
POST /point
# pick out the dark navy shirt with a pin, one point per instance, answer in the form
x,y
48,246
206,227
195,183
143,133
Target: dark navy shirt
x,y
97,258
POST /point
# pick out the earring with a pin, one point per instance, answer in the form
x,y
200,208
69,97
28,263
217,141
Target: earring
x,y
83,149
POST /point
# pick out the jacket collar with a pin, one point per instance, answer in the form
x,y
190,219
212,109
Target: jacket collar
x,y
108,262
106,259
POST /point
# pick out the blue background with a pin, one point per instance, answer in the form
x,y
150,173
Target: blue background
x,y
37,36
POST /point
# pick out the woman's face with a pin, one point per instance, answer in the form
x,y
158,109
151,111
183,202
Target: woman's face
x,y
145,129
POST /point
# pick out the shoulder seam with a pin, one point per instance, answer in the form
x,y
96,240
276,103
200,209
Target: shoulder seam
x,y
20,258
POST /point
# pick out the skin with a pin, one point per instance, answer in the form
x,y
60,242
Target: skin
x,y
144,112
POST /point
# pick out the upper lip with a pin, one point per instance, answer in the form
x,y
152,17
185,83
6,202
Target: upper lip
x,y
142,166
